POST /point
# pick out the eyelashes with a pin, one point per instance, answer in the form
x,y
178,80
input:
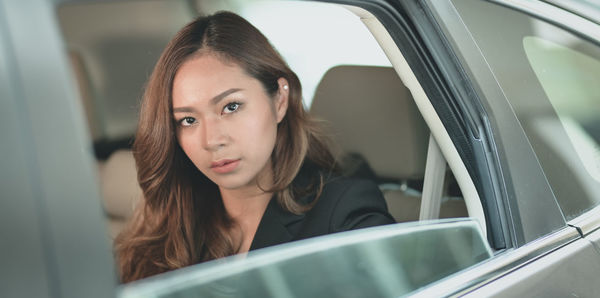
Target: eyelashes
x,y
229,108
187,121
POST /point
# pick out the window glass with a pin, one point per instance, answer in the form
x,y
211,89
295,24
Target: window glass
x,y
549,76
570,79
387,261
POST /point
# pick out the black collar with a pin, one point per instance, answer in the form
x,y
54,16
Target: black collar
x,y
274,227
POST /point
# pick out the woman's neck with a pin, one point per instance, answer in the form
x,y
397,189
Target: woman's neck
x,y
246,206
240,204
251,199
247,211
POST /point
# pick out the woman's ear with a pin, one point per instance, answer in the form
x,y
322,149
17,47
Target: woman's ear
x,y
281,102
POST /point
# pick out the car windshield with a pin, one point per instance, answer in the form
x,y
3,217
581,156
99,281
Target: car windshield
x,y
381,261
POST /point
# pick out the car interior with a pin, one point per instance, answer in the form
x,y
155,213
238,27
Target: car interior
x,y
380,88
381,136
377,130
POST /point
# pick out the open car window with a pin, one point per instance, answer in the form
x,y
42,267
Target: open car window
x,y
378,133
530,65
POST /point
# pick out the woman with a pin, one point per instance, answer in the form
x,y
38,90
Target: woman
x,y
227,158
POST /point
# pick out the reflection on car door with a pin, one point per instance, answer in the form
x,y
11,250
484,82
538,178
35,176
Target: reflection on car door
x,y
523,56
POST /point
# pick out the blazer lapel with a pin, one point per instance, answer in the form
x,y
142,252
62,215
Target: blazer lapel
x,y
274,226
277,225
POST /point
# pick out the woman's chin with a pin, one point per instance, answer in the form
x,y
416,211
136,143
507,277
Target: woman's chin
x,y
232,183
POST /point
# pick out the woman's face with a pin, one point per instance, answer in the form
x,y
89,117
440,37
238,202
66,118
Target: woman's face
x,y
226,122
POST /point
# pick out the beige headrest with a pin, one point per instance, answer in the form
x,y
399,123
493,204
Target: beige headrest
x,y
372,113
120,189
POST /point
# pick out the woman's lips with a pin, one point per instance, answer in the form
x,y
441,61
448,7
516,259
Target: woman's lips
x,y
224,166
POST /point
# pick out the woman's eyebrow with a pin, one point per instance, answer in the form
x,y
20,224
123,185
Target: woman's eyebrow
x,y
215,100
183,110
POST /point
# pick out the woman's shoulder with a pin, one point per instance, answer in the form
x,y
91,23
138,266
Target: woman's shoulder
x,y
328,186
340,192
346,203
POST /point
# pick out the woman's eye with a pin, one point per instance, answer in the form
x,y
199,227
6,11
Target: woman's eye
x,y
187,121
231,107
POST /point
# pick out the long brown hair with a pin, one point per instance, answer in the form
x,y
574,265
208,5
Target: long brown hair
x,y
182,220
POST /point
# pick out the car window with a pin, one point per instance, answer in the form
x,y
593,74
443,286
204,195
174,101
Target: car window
x,y
387,261
549,76
338,61
570,80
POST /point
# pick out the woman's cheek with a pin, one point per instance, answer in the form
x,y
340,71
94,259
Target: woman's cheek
x,y
186,141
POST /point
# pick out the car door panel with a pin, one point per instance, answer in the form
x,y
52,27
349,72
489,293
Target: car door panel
x,y
569,271
594,238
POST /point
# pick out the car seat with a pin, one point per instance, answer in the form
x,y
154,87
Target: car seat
x,y
371,114
120,189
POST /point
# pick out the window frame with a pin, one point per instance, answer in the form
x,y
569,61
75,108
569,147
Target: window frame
x,y
514,262
417,35
565,20
517,164
562,237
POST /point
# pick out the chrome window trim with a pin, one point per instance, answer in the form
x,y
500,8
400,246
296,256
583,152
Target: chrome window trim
x,y
581,9
588,222
503,263
559,17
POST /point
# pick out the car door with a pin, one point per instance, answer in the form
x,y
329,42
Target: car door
x,y
541,239
492,70
51,225
528,138
545,60
538,247
383,261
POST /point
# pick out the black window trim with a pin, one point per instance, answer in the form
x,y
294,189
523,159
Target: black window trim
x,y
454,101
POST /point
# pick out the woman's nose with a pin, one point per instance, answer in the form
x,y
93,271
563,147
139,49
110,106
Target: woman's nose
x,y
214,136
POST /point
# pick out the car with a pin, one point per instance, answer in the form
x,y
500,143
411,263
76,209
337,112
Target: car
x,y
479,120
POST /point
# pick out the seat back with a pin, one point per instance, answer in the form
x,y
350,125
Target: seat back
x,y
370,113
85,92
120,189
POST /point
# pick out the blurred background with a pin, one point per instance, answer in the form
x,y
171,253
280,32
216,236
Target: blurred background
x,y
113,47
72,74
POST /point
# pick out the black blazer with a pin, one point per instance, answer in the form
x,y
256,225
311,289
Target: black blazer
x,y
344,204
